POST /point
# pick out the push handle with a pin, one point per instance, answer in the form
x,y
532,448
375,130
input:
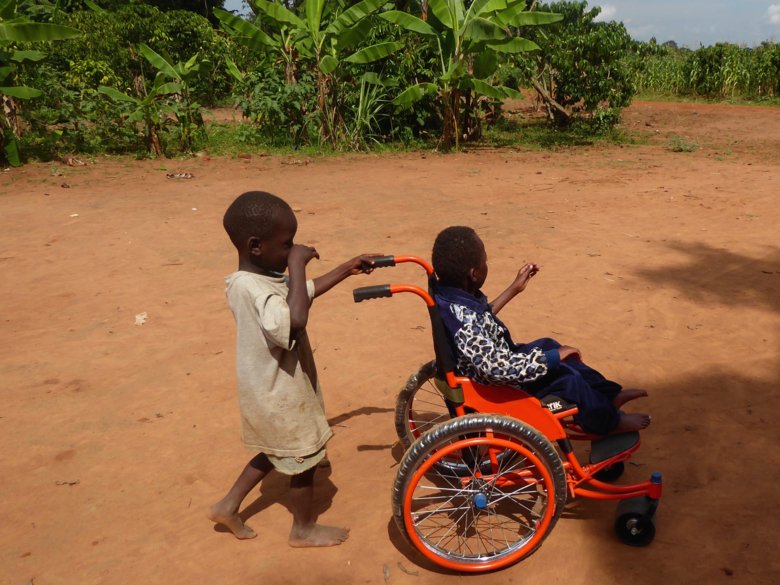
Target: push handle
x,y
382,262
371,292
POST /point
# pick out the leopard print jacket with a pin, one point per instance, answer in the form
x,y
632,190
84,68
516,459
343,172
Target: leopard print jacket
x,y
485,355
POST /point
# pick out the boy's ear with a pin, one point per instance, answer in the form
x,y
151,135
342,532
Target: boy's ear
x,y
472,275
254,245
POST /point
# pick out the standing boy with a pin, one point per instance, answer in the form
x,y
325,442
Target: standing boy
x,y
282,413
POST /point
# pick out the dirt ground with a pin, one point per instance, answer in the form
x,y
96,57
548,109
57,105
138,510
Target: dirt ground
x,y
662,267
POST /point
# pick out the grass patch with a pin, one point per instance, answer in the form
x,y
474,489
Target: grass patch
x,y
682,144
694,99
538,134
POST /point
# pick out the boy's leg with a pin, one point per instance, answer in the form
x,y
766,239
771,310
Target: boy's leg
x,y
226,510
304,531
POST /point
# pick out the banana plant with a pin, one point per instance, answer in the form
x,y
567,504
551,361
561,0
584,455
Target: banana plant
x,y
322,34
188,113
469,43
147,109
16,28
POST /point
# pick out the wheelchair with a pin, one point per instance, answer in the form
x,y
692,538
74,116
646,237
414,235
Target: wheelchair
x,y
488,470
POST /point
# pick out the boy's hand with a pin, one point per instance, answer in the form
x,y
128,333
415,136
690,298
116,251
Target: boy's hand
x,y
524,275
362,264
567,352
302,254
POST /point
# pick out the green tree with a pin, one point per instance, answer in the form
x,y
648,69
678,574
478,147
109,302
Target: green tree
x,y
583,67
469,42
326,36
15,29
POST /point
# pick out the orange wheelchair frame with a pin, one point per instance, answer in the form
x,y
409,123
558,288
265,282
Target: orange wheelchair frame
x,y
500,461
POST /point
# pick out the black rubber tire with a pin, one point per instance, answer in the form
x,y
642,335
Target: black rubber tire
x,y
473,425
611,473
635,521
405,401
420,396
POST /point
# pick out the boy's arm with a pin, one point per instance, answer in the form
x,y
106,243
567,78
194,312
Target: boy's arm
x,y
360,264
298,297
518,285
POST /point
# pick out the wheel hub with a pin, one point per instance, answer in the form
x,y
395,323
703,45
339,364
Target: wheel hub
x,y
480,501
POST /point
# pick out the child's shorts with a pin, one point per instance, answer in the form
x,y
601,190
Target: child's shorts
x,y
296,465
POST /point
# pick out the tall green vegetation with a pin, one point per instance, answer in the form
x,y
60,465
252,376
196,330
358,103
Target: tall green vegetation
x,y
340,74
325,38
721,71
468,43
581,70
16,32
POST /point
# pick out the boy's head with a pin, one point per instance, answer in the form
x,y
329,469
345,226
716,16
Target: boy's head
x,y
262,227
459,258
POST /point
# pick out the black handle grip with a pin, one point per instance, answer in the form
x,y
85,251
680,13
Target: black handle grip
x,y
380,262
371,292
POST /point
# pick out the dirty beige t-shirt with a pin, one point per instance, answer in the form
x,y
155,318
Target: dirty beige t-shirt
x,y
282,412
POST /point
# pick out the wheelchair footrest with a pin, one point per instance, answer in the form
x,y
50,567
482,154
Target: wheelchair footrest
x,y
611,445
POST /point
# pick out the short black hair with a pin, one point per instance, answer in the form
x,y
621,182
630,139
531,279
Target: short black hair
x,y
254,213
457,250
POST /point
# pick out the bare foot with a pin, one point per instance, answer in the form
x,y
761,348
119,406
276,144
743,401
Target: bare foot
x,y
628,395
317,535
220,514
633,421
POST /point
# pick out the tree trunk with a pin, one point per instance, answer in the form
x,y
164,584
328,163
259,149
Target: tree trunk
x,y
322,102
557,111
11,113
450,114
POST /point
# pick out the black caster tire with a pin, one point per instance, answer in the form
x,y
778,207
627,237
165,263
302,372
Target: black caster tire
x,y
635,521
611,473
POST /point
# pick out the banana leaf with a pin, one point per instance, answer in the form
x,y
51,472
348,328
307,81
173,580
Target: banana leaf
x,y
375,79
30,32
21,92
328,64
7,9
414,94
352,36
314,17
374,52
408,22
498,92
233,69
516,17
480,29
254,37
117,95
159,62
514,45
20,56
353,15
279,13
441,11
485,64
11,148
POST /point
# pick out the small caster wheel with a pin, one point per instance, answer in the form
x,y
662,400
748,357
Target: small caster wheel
x,y
635,529
611,473
635,521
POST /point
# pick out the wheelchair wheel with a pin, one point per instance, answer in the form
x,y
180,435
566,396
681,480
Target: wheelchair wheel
x,y
419,406
479,521
635,521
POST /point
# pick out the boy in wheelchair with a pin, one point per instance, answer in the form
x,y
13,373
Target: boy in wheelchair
x,y
486,353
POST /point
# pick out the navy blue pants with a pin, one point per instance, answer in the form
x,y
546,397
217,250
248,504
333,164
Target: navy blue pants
x,y
577,382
